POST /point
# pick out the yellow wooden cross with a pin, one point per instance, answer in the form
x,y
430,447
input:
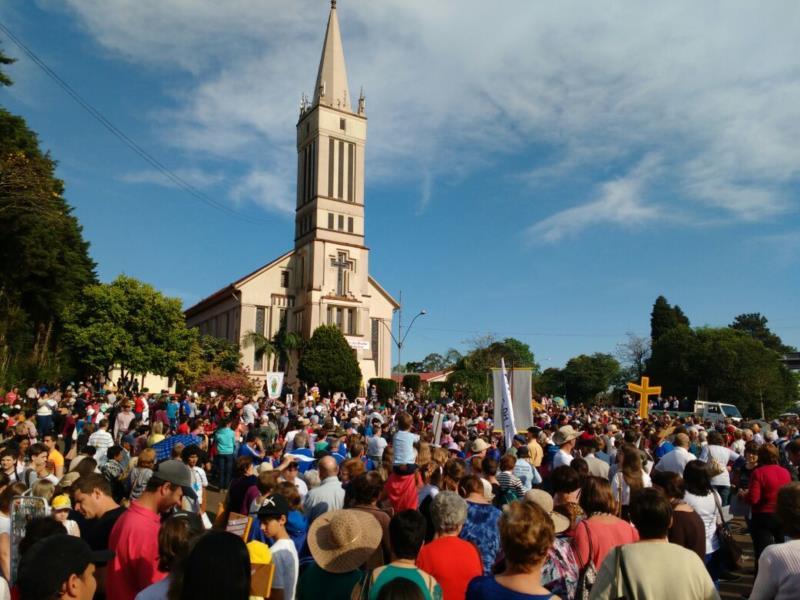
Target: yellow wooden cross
x,y
645,391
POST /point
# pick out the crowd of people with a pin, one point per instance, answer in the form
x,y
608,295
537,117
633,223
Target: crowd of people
x,y
105,492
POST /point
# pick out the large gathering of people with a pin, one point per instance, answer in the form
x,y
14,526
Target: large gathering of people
x,y
109,491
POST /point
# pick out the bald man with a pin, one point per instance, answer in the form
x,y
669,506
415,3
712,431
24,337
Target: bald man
x,y
676,459
329,494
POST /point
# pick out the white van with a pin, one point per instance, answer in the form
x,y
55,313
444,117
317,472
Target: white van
x,y
716,411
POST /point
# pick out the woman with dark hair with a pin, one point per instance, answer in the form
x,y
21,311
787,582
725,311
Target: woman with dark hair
x,y
566,489
629,478
363,494
705,501
762,495
174,537
217,568
243,488
480,527
687,528
602,529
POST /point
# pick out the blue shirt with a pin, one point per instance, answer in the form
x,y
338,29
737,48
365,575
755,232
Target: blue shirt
x,y
246,450
486,588
403,444
225,440
481,529
172,410
663,449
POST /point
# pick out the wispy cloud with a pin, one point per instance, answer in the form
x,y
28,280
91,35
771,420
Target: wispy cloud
x,y
714,92
620,201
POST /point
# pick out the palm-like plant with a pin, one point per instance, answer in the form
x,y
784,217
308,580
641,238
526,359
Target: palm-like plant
x,y
263,346
287,343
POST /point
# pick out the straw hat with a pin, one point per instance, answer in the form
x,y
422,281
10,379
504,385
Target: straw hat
x,y
564,435
545,501
342,540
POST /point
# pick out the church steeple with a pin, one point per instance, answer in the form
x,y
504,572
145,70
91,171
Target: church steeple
x,y
331,89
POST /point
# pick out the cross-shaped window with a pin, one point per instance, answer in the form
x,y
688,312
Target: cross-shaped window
x,y
343,267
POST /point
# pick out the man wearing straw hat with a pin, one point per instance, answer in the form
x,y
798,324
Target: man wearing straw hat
x,y
341,541
565,438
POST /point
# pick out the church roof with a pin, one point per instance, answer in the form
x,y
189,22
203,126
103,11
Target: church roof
x,y
383,292
232,287
331,89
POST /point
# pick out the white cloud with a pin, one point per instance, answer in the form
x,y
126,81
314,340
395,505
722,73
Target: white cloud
x,y
456,87
620,202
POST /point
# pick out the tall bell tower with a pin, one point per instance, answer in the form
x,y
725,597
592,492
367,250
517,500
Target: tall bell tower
x,y
329,217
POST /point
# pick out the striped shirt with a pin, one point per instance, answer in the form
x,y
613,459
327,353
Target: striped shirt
x,y
508,481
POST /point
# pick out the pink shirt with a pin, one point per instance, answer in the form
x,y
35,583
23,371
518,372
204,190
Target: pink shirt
x,y
134,540
605,536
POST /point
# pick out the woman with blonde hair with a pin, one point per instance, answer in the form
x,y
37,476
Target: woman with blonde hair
x,y
630,478
142,472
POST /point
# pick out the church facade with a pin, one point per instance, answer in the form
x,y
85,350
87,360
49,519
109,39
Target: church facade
x,y
325,278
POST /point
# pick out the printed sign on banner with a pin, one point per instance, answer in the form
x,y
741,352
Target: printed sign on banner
x,y
274,385
438,420
521,387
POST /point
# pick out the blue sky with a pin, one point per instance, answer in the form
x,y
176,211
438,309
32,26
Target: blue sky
x,y
537,171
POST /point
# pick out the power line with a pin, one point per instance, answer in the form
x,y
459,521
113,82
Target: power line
x,y
132,144
527,334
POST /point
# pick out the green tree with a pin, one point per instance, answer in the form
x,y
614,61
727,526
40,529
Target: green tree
x,y
288,345
585,376
5,60
755,325
206,353
452,358
672,363
329,361
44,260
665,317
130,324
550,382
433,362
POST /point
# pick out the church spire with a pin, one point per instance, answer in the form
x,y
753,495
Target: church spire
x,y
331,89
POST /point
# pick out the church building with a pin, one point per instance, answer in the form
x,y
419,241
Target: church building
x,y
325,278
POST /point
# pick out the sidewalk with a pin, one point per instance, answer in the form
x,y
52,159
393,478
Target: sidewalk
x,y
742,587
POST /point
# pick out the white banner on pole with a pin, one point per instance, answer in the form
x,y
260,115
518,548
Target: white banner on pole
x,y
274,385
521,398
507,410
438,420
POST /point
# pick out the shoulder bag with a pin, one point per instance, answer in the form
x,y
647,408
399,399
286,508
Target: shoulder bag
x,y
729,549
588,573
627,589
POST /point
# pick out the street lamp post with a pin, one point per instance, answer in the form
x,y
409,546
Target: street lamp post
x,y
402,338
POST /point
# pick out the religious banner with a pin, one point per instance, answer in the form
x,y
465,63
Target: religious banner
x,y
521,393
506,407
274,385
438,420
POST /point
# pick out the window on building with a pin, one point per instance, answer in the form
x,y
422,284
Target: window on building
x,y
352,321
298,321
349,224
342,124
340,174
375,325
350,170
282,318
341,222
258,361
330,220
285,279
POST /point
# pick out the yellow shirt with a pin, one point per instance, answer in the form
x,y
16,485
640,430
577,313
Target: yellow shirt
x,y
535,453
56,458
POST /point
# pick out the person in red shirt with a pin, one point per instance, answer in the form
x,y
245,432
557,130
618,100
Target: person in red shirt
x,y
452,561
762,495
134,539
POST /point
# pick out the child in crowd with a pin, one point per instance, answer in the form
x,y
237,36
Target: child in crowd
x,y
273,515
405,455
60,509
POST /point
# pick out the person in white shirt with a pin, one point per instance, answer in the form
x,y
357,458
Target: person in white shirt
x,y
678,458
377,443
629,476
249,413
717,457
273,515
565,438
101,441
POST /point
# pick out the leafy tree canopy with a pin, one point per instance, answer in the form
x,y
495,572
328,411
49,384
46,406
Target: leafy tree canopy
x,y
665,317
755,325
128,323
585,376
329,361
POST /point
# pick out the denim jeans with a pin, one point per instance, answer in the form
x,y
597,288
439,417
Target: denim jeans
x,y
714,567
224,466
44,424
724,492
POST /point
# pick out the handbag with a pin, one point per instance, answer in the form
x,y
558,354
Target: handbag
x,y
729,549
588,573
